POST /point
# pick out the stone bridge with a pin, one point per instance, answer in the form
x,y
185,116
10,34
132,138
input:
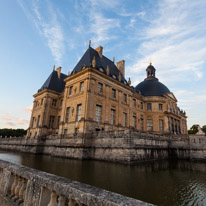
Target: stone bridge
x,y
24,186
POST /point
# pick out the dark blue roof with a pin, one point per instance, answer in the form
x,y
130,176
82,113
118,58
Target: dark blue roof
x,y
54,83
101,62
151,87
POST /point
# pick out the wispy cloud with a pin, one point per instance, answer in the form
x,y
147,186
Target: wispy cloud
x,y
28,109
9,120
48,26
174,42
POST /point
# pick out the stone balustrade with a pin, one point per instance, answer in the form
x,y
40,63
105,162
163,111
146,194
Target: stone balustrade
x,y
24,186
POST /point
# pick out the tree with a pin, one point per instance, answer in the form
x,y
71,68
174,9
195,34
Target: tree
x,y
12,132
193,129
204,128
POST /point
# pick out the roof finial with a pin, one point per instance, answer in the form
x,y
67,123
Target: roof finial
x,y
89,43
54,67
114,59
150,63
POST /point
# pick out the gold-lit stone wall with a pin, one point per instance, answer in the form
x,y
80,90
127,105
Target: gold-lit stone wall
x,y
126,102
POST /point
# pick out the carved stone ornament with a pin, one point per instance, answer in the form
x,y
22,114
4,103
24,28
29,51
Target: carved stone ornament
x,y
94,61
107,69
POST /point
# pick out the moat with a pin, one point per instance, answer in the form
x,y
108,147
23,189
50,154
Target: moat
x,y
168,183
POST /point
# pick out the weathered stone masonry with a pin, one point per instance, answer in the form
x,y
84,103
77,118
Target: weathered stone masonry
x,y
118,146
24,186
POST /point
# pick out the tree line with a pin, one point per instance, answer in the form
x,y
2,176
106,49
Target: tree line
x,y
12,132
194,129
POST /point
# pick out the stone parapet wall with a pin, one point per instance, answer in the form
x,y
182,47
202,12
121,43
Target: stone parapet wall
x,y
24,186
119,146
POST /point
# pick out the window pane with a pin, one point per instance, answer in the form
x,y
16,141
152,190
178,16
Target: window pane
x,y
67,114
161,125
113,93
112,117
124,119
98,116
160,106
81,86
142,124
149,125
79,112
134,121
100,87
149,106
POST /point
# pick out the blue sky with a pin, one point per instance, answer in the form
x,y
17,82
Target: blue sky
x,y
35,35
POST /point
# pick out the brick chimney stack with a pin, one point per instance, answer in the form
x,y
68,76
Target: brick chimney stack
x,y
100,50
121,67
59,71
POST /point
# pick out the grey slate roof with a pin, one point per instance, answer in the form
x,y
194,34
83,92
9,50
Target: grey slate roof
x,y
54,83
101,62
151,87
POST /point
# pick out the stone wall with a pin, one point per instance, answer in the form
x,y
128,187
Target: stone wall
x,y
24,186
118,146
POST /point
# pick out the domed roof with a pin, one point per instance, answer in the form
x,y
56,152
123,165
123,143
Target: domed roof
x,y
151,85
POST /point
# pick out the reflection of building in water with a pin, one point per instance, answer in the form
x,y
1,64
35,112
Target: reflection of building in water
x,y
96,96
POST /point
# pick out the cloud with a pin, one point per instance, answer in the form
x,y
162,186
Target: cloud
x,y
6,117
22,121
9,120
28,109
47,25
174,41
102,27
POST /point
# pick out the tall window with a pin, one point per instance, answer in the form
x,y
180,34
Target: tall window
x,y
134,121
58,122
112,117
149,106
113,93
61,102
100,88
81,86
134,102
141,124
124,119
54,102
33,122
42,100
79,112
160,107
125,98
149,125
51,121
141,105
161,125
67,114
70,90
98,115
38,120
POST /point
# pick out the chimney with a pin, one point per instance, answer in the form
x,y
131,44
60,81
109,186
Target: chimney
x,y
59,71
121,67
99,50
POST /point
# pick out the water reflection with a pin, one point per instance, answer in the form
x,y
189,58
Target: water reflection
x,y
168,183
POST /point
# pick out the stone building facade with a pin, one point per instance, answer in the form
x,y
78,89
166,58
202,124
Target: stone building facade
x,y
96,96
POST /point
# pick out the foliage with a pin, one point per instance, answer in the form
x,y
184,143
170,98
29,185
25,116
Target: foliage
x,y
193,129
12,132
204,128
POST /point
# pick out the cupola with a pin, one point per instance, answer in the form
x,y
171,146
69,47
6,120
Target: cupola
x,y
150,71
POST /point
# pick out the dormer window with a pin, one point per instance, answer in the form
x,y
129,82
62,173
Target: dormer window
x,y
114,76
101,69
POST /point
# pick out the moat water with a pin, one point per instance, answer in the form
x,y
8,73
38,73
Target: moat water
x,y
168,183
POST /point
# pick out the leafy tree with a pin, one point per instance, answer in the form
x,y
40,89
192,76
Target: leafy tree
x,y
204,128
12,132
193,129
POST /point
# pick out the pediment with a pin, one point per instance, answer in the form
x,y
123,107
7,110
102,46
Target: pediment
x,y
171,95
